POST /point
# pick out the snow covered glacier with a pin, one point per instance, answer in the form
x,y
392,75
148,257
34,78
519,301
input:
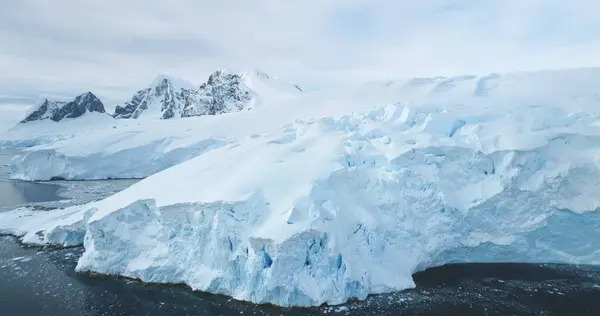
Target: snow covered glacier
x,y
334,206
137,148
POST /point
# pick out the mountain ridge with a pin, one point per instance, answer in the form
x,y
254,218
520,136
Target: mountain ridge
x,y
224,91
167,97
56,111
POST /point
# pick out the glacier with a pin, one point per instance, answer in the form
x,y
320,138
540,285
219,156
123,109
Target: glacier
x,y
319,202
75,146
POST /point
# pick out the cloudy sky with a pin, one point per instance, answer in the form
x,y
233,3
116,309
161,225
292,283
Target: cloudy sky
x,y
115,47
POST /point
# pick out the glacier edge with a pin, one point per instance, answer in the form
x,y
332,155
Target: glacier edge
x,y
391,192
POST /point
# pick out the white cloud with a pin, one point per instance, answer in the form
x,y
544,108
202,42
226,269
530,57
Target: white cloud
x,y
115,47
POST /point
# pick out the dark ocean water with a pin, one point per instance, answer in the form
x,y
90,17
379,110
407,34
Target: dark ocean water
x,y
42,281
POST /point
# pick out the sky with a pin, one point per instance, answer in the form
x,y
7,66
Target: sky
x,y
114,47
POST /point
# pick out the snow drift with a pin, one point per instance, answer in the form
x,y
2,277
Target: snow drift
x,y
323,210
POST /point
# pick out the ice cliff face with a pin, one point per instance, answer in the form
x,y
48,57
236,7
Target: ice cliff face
x,y
59,110
223,92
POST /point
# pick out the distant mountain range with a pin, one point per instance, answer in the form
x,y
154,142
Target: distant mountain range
x,y
168,98
225,92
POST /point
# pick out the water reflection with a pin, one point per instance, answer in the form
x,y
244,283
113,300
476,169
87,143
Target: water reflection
x,y
15,193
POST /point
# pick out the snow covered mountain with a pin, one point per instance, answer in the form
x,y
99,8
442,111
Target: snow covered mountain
x,y
59,110
154,145
167,98
223,93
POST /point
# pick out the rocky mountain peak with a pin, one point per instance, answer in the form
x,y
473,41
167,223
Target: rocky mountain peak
x,y
163,84
59,110
222,92
163,98
221,77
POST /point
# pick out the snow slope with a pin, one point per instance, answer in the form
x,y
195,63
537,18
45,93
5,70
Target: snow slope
x,y
339,204
48,132
98,150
